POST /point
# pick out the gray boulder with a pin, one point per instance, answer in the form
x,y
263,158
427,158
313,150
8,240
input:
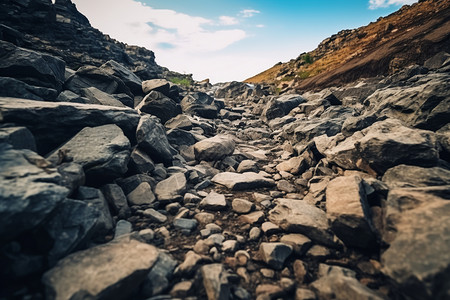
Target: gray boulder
x,y
11,87
151,137
215,148
158,279
403,176
97,96
281,106
110,271
116,200
31,67
199,104
133,82
158,85
54,123
17,137
30,191
171,188
159,105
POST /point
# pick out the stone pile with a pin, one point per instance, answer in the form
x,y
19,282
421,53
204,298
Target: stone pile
x,y
114,187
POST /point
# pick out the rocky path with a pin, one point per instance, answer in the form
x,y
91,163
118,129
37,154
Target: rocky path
x,y
123,189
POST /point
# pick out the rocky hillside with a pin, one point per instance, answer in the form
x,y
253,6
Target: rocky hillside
x,y
114,186
406,37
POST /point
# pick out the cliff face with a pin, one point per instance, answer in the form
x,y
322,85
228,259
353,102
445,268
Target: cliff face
x,y
61,30
407,37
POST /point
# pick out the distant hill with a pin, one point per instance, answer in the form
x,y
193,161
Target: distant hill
x,y
409,36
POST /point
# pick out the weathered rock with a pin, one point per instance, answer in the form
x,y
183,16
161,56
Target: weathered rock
x,y
123,227
339,150
388,143
252,218
152,138
133,82
295,165
10,87
30,191
158,279
199,104
116,199
54,123
247,166
281,106
159,85
215,281
160,106
274,254
72,176
242,206
299,217
72,225
110,271
245,181
31,67
340,283
185,224
215,148
142,194
214,201
299,242
97,96
349,211
190,263
171,188
179,137
18,137
404,176
140,162
103,152
180,121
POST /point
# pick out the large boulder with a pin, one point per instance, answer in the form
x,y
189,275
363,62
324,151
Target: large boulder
x,y
11,87
110,271
414,176
17,137
103,152
133,82
215,148
296,216
199,104
281,106
29,190
158,85
151,137
159,105
233,90
31,67
349,211
97,96
242,181
54,123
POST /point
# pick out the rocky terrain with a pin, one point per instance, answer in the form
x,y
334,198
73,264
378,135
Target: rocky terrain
x,y
115,185
407,37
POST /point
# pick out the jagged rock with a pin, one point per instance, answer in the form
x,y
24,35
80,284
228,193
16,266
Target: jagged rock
x,y
252,218
437,61
30,191
417,260
31,67
299,242
128,184
404,176
110,271
247,166
274,254
152,138
233,90
304,294
72,225
341,283
180,121
245,181
97,96
281,106
388,143
298,217
308,130
190,263
103,152
142,194
155,216
339,150
18,137
140,162
179,137
54,123
158,85
171,188
159,105
199,104
295,165
215,282
349,211
133,82
69,96
72,176
158,279
95,199
214,201
11,87
215,148
116,199
100,78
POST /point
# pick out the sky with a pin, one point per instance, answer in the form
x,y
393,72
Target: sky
x,y
226,40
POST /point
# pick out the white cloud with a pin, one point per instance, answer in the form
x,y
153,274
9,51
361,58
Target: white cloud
x,y
374,4
260,26
248,13
227,20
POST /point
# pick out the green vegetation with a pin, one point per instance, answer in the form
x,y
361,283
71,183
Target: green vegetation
x,y
287,78
183,81
303,75
307,58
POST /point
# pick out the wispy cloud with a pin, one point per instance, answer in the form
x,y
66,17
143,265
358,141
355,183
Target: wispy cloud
x,y
248,13
260,26
374,4
227,20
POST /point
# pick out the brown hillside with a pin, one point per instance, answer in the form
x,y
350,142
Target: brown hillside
x,y
408,36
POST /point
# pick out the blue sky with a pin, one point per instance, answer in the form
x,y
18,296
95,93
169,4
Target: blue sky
x,y
229,40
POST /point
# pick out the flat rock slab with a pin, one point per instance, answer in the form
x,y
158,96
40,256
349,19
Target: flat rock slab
x,y
109,271
171,188
299,217
244,181
214,148
53,123
103,152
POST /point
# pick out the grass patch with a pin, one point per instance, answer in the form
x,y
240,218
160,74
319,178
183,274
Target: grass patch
x,y
303,75
181,81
